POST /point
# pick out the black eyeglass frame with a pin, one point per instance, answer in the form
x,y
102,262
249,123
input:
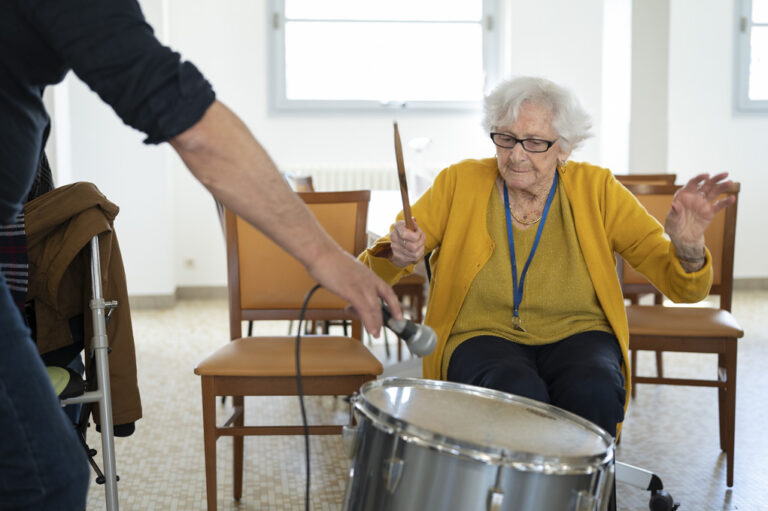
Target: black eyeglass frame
x,y
522,141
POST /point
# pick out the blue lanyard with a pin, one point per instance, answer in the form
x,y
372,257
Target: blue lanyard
x,y
517,291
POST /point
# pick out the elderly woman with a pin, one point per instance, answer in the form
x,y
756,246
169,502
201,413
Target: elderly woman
x,y
524,294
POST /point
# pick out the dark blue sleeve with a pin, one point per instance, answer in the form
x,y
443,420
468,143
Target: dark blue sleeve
x,y
110,46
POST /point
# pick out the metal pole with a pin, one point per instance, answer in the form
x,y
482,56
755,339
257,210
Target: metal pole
x,y
101,350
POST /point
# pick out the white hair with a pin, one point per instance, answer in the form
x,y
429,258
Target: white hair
x,y
571,122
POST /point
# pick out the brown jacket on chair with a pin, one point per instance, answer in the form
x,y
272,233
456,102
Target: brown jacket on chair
x,y
59,226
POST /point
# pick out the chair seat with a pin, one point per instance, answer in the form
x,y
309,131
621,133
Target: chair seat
x,y
275,356
412,279
681,321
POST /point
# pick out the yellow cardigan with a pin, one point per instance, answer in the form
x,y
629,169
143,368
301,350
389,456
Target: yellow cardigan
x,y
608,219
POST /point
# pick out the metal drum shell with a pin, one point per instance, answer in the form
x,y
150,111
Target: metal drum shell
x,y
440,472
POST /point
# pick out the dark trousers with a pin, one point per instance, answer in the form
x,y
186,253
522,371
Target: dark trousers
x,y
581,374
42,464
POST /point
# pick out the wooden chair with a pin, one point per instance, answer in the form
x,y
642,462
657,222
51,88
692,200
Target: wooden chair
x,y
300,184
410,293
651,179
633,283
634,298
304,184
265,283
694,329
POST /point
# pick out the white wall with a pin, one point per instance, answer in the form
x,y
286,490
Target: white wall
x,y
650,79
92,144
617,90
133,176
168,228
228,42
705,134
562,41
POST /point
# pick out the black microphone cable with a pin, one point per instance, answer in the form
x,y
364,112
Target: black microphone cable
x,y
300,388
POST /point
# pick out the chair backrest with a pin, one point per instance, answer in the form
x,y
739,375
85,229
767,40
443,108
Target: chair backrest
x,y
720,239
300,184
265,283
654,179
651,179
220,212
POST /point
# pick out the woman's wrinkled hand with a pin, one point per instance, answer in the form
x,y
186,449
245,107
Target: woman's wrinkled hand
x,y
407,245
693,208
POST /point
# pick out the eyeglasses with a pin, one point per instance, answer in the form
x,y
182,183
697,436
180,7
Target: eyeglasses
x,y
531,145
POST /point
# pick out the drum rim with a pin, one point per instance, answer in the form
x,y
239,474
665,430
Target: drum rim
x,y
470,450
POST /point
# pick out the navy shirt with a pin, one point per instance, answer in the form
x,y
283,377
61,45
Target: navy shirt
x,y
109,45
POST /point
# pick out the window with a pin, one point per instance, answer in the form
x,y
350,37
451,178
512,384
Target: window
x,y
752,62
382,54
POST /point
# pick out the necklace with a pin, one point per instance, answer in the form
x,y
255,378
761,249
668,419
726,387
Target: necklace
x,y
524,222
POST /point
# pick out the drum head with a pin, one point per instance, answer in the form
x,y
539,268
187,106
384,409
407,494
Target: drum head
x,y
481,422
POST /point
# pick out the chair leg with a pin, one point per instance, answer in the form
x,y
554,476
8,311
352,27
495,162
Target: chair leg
x,y
209,440
659,364
722,394
728,407
237,449
633,370
386,342
658,299
357,329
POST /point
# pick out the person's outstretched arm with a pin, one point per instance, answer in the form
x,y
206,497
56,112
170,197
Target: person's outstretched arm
x,y
225,157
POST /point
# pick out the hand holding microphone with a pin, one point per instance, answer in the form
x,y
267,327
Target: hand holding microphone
x,y
420,339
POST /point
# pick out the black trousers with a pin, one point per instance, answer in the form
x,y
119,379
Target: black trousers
x,y
581,374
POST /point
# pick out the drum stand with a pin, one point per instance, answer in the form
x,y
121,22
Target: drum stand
x,y
641,478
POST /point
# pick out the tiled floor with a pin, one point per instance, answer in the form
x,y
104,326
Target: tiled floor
x,y
670,430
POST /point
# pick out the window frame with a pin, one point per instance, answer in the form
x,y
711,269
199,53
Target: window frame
x,y
277,86
743,34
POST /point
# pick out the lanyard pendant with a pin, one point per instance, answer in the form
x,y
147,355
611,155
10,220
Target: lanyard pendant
x,y
517,324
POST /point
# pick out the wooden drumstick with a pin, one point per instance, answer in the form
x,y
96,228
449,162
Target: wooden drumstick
x,y
403,182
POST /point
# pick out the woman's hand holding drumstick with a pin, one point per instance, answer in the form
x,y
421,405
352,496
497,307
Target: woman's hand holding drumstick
x,y
407,239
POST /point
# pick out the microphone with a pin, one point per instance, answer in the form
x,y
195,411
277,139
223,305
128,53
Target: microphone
x,y
420,339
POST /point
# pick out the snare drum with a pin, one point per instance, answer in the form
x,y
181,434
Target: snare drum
x,y
423,444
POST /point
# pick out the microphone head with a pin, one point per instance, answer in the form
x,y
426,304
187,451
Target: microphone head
x,y
424,342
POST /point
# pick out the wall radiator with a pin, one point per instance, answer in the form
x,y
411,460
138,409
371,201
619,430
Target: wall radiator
x,y
333,178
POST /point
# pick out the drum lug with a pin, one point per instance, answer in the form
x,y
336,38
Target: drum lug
x,y
495,499
495,493
609,480
394,470
349,440
393,466
584,502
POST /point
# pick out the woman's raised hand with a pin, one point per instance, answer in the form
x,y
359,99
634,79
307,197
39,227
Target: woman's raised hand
x,y
693,208
407,245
